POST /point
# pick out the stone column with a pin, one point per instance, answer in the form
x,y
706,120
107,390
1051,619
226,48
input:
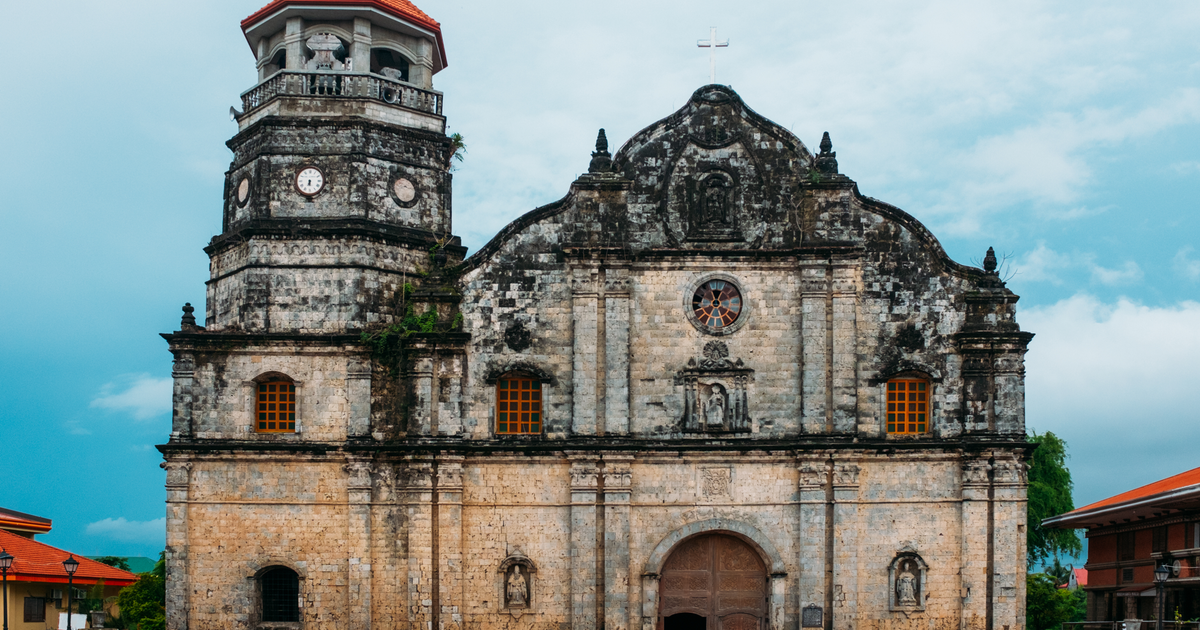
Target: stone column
x,y
296,57
814,480
416,499
421,414
618,485
181,399
360,47
178,576
450,558
358,543
973,588
583,542
449,394
845,556
617,350
843,378
584,294
815,347
1008,543
358,395
387,590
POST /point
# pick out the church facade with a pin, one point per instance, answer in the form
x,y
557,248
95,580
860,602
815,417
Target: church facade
x,y
713,386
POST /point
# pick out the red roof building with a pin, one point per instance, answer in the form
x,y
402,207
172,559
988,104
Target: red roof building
x,y
1132,533
37,581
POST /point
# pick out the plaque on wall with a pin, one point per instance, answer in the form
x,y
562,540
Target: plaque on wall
x,y
811,617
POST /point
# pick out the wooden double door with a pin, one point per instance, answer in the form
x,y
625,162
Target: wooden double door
x,y
713,582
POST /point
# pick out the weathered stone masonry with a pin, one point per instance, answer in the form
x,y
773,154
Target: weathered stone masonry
x,y
396,502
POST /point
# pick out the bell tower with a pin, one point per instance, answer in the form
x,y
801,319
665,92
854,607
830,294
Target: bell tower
x,y
340,184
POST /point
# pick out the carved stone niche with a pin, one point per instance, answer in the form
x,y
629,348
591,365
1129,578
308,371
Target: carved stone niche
x,y
712,207
715,392
907,581
516,583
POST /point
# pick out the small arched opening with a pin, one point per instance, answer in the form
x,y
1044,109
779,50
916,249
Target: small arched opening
x,y
389,63
279,592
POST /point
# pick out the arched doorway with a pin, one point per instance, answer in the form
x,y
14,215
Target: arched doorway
x,y
713,582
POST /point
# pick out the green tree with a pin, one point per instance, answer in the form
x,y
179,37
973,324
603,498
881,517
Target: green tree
x,y
117,562
143,603
1047,606
1049,495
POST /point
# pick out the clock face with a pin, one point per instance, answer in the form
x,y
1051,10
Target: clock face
x,y
310,180
404,190
243,190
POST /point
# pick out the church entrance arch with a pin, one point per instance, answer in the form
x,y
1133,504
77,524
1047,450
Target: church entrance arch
x,y
713,582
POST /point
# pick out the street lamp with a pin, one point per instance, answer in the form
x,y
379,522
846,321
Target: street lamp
x,y
71,565
5,564
1160,578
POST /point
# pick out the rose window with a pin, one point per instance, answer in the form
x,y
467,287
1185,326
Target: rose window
x,y
717,304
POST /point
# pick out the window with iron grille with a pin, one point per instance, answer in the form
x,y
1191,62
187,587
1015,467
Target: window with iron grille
x,y
907,406
35,609
518,404
1126,575
276,407
280,595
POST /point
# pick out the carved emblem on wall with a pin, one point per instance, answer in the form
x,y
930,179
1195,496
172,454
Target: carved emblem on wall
x,y
715,482
813,474
906,575
517,337
715,396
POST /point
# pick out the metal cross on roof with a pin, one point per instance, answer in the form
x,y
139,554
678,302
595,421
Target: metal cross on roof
x,y
712,44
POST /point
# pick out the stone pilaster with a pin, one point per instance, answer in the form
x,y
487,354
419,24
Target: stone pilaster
x,y
815,355
616,354
358,543
843,377
450,557
810,545
584,316
584,486
358,395
422,421
1008,542
976,475
618,486
178,483
183,375
416,499
846,568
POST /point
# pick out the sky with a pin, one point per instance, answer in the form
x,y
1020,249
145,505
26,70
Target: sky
x,y
1064,134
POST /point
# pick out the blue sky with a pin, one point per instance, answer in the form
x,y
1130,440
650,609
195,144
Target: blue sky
x,y
1064,134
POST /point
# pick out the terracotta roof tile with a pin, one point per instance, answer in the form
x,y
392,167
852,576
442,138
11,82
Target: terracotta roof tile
x,y
38,562
399,8
1182,480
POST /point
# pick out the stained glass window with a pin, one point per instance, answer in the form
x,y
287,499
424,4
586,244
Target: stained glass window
x,y
908,403
717,304
518,404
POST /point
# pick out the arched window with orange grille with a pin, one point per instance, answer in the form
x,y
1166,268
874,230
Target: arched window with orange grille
x,y
275,406
907,406
518,404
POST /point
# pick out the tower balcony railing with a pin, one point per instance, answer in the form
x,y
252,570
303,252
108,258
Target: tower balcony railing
x,y
332,84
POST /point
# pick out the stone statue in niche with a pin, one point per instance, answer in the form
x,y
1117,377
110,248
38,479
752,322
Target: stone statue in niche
x,y
906,585
907,577
716,201
517,590
715,391
714,413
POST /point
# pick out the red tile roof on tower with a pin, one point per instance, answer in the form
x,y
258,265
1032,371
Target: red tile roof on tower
x,y
38,562
20,521
402,9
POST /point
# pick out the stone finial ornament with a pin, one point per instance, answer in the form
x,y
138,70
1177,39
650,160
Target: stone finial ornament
x,y
989,261
188,320
601,158
827,159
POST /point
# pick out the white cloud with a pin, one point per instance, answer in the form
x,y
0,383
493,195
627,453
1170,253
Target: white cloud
x,y
1187,267
147,532
1041,265
1118,382
1126,273
142,395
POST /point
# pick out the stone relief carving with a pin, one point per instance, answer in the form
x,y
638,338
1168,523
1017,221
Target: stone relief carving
x,y
617,476
359,474
583,476
715,396
906,575
517,337
845,474
976,472
177,472
715,483
1009,471
813,475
